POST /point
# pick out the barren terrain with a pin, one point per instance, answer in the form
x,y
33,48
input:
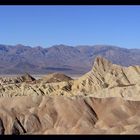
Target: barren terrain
x,y
106,100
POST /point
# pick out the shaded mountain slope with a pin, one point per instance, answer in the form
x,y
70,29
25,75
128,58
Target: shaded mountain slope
x,y
19,59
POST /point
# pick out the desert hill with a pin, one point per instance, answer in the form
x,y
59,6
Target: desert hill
x,y
106,100
107,79
104,80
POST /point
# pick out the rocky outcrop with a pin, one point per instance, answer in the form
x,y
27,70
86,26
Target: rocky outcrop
x,y
16,80
2,129
27,78
109,80
106,100
17,128
104,80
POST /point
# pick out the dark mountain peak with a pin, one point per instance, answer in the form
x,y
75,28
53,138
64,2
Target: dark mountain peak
x,y
19,45
37,60
27,77
62,49
61,46
19,49
98,47
104,45
39,48
4,48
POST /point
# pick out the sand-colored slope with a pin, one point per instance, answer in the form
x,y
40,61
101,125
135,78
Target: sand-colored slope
x,y
44,114
63,115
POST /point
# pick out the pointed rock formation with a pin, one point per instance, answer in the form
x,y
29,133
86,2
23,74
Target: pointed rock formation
x,y
101,63
27,78
56,77
107,79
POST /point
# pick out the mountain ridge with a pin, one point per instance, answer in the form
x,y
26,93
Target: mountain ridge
x,y
76,60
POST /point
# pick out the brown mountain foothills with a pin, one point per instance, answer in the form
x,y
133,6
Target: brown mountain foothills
x,y
106,100
69,60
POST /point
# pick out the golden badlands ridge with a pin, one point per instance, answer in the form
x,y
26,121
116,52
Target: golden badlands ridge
x,y
105,100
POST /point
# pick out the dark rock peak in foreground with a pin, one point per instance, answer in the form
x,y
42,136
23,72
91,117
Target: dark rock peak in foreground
x,y
27,77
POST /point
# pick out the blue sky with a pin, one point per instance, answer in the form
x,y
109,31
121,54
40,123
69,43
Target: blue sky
x,y
71,25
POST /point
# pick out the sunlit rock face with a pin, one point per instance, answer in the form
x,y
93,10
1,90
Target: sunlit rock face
x,y
106,100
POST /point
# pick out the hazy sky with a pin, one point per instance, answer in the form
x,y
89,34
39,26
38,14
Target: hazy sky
x,y
71,25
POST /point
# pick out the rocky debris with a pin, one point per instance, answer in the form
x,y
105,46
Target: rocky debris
x,y
16,80
10,80
17,128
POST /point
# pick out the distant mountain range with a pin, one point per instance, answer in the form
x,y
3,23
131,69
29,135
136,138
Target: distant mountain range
x,y
20,59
